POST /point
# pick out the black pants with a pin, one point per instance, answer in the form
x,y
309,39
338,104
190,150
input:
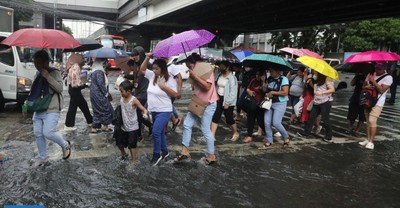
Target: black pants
x,y
324,109
393,89
239,103
77,100
251,119
227,112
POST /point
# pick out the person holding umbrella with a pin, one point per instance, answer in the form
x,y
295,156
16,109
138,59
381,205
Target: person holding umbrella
x,y
277,88
373,114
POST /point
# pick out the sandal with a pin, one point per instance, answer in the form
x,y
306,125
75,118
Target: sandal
x,y
209,162
265,146
181,157
94,131
285,144
235,138
69,150
107,130
247,140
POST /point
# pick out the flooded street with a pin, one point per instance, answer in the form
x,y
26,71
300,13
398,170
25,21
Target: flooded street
x,y
309,173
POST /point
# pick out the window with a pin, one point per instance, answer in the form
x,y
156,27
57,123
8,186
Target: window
x,y
6,55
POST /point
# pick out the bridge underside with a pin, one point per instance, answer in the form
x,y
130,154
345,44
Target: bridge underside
x,y
257,16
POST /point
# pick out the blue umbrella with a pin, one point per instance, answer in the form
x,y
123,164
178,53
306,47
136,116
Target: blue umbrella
x,y
106,53
241,54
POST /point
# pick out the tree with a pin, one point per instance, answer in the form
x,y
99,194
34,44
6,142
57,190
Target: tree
x,y
67,29
22,15
379,34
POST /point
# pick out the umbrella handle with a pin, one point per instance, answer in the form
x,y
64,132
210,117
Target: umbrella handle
x,y
184,49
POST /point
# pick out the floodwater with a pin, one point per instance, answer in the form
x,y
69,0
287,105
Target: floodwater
x,y
307,174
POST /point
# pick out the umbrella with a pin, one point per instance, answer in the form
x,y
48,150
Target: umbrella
x,y
122,63
241,54
41,38
293,51
106,53
307,52
182,42
267,61
87,44
320,66
372,56
355,67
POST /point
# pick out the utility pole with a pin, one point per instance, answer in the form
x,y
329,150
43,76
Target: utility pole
x,y
54,27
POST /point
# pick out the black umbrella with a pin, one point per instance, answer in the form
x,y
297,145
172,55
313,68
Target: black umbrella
x,y
87,44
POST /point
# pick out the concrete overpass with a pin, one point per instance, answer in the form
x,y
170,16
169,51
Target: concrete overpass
x,y
157,19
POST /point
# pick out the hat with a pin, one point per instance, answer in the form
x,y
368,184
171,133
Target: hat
x,y
381,65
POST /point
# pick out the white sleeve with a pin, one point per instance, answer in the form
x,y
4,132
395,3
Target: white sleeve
x,y
149,74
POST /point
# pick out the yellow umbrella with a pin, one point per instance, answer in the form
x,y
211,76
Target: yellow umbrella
x,y
320,66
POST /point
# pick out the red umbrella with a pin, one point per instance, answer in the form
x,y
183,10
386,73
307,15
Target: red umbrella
x,y
372,56
41,38
307,52
122,63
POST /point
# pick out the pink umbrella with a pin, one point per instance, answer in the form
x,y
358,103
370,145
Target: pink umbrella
x,y
307,52
41,38
372,56
293,51
182,42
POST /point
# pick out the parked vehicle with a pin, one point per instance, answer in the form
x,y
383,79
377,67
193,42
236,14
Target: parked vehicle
x,y
17,72
333,62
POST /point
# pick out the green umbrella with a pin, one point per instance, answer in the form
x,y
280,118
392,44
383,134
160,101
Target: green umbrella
x,y
266,61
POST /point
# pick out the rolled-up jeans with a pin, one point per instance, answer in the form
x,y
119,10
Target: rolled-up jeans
x,y
274,117
205,126
45,126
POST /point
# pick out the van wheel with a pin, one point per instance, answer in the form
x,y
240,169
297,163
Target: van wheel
x,y
2,102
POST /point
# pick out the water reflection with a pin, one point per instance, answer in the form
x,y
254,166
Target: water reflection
x,y
339,175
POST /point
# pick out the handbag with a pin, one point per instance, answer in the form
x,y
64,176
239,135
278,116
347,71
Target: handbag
x,y
310,105
266,103
298,108
197,106
250,103
39,104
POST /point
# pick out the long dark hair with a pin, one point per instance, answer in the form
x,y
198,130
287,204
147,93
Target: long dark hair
x,y
164,70
321,79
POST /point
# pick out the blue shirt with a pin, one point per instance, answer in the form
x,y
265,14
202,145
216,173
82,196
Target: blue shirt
x,y
273,85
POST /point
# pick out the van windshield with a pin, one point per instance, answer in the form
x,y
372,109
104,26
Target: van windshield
x,y
26,54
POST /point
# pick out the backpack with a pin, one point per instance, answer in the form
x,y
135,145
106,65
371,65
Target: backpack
x,y
369,97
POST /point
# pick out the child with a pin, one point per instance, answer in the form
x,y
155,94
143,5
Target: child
x,y
128,127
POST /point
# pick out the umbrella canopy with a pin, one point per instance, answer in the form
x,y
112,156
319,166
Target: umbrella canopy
x,y
122,63
182,42
355,67
293,51
87,44
320,66
241,54
218,55
41,38
266,61
307,52
372,56
106,53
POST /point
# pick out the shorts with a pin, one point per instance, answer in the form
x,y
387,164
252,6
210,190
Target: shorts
x,y
373,115
355,111
128,139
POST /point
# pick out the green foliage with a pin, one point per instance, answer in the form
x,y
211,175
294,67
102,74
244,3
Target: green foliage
x,y
22,15
67,29
373,34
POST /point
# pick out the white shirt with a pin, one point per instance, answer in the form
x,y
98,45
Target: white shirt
x,y
388,80
173,71
221,83
157,99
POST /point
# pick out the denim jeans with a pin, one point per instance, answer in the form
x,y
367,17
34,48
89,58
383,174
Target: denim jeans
x,y
205,121
174,112
274,117
160,120
45,126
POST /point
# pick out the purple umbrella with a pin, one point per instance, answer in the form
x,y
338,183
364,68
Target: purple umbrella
x,y
182,42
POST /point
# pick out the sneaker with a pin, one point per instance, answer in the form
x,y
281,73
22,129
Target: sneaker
x,y
39,163
317,130
277,134
156,159
67,128
370,145
327,140
363,143
164,155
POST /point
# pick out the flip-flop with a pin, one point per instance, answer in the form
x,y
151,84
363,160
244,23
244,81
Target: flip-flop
x,y
265,146
181,157
69,150
209,162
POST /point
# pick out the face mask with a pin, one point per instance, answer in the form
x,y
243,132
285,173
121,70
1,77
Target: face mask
x,y
315,77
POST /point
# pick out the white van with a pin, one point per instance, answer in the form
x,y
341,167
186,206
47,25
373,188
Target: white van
x,y
17,72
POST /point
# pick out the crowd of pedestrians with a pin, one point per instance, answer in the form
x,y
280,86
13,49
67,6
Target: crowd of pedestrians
x,y
149,90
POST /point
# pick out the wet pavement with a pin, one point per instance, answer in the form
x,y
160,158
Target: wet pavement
x,y
310,173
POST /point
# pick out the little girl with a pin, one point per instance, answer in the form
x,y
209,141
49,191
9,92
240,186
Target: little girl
x,y
126,125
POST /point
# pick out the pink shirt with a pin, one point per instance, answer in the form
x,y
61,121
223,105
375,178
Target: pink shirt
x,y
211,95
